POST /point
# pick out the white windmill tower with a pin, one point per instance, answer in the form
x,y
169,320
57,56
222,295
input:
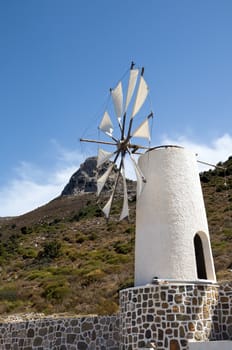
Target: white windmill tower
x,y
172,238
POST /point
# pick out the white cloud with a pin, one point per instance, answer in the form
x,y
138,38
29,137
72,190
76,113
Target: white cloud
x,y
65,155
33,186
21,196
216,151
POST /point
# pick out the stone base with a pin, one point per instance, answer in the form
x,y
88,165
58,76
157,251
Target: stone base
x,y
168,314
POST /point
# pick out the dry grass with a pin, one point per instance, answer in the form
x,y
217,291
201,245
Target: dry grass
x,y
65,258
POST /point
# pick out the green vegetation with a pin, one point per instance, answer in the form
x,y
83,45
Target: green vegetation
x,y
51,250
217,190
64,257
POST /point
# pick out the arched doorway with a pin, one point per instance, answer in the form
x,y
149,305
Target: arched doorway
x,y
200,259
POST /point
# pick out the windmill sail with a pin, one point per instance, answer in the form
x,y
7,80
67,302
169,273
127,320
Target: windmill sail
x,y
131,86
106,124
102,180
117,96
140,177
125,208
107,207
136,93
103,156
143,131
140,97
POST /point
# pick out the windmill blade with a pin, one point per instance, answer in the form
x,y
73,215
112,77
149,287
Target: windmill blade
x,y
107,207
140,97
135,96
106,124
117,96
103,156
131,86
143,130
102,180
125,209
139,175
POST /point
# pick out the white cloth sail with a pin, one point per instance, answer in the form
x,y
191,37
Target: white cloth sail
x,y
125,209
117,96
107,207
103,156
143,130
131,86
102,180
140,97
106,124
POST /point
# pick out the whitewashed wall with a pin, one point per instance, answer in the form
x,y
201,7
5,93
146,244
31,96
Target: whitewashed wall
x,y
170,211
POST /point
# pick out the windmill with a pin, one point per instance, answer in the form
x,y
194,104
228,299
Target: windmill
x,y
126,111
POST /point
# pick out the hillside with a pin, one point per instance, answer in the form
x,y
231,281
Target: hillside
x,y
217,190
64,257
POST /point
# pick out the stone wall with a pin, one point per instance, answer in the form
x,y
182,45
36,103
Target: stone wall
x,y
171,315
223,318
92,333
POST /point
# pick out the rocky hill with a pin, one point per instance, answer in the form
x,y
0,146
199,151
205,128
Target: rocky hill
x,y
64,257
85,178
217,190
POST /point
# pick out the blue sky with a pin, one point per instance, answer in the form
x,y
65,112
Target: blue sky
x,y
58,60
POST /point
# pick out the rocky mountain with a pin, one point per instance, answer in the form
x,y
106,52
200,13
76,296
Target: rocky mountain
x,y
84,180
65,258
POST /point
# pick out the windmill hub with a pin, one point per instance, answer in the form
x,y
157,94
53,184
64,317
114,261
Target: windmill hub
x,y
122,145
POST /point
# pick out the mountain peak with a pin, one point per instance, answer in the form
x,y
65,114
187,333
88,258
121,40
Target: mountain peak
x,y
85,178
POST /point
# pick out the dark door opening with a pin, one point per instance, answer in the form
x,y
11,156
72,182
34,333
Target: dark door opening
x,y
200,260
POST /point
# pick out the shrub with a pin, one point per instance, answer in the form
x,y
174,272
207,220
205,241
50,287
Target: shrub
x,y
106,307
56,290
122,247
2,250
27,253
11,246
92,236
51,250
55,221
220,188
126,284
205,178
91,277
40,275
26,230
80,239
87,212
8,293
130,230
